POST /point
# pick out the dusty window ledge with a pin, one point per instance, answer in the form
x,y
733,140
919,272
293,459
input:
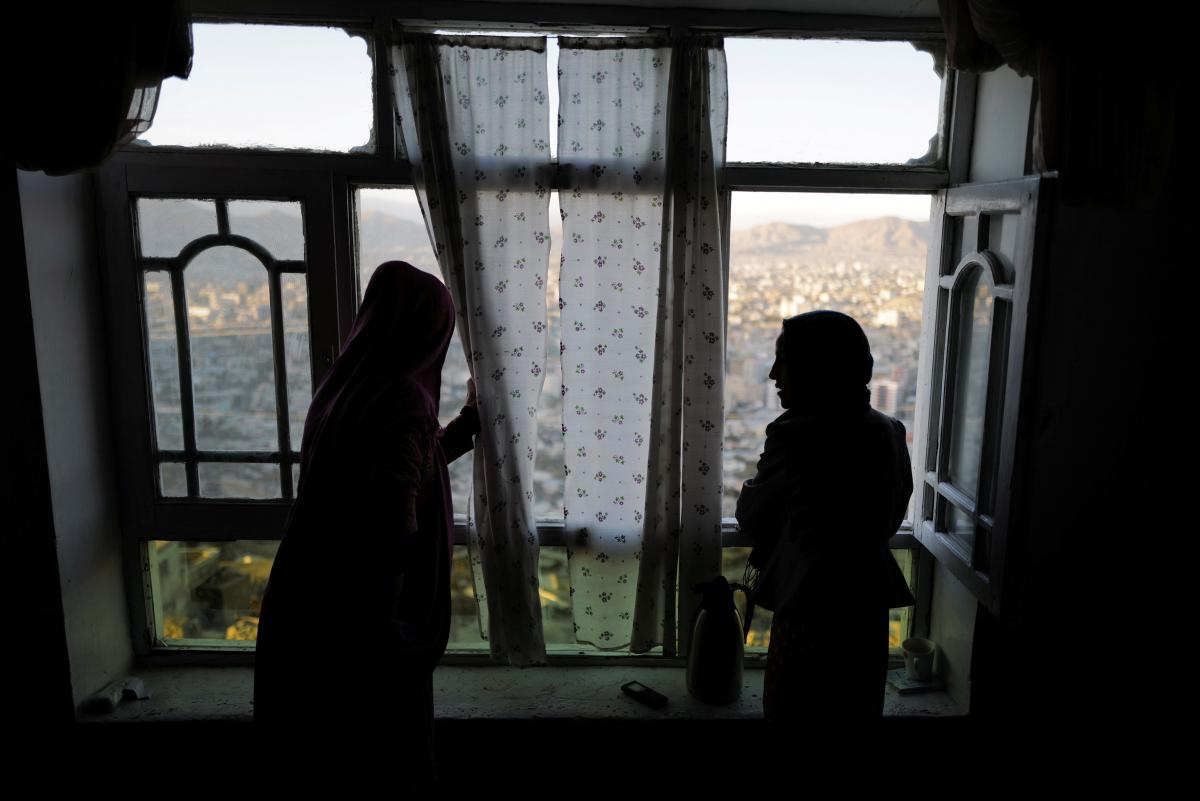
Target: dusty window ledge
x,y
491,693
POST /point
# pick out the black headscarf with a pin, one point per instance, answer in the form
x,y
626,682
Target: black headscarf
x,y
829,363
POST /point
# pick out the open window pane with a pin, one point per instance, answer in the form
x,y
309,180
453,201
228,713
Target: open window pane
x,y
812,100
960,525
270,86
208,591
389,227
759,638
163,352
733,568
233,368
554,586
863,255
549,477
974,300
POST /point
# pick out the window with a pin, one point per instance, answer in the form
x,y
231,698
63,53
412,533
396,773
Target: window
x,y
239,255
271,86
980,282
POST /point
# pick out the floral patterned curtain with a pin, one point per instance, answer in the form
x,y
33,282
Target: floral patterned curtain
x,y
473,119
642,305
683,498
643,330
612,151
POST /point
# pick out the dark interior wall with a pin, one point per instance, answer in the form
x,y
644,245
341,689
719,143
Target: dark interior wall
x,y
1091,571
68,328
36,605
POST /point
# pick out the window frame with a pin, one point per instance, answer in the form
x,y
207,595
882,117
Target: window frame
x,y
331,179
1006,424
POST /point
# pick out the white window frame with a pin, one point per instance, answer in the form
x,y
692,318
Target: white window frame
x,y
328,182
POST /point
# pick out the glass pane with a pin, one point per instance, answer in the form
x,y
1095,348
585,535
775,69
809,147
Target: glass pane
x,y
239,480
164,360
555,590
558,622
276,225
793,100
733,568
960,526
1003,230
270,86
549,463
974,309
229,317
898,625
173,479
390,228
464,609
295,477
296,353
790,253
209,591
165,225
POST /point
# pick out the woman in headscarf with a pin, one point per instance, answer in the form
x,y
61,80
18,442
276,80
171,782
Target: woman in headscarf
x,y
357,610
832,486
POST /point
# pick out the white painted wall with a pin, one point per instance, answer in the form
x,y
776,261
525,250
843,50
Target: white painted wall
x,y
952,627
1001,126
68,323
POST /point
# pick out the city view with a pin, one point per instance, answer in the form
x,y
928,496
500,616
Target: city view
x,y
872,269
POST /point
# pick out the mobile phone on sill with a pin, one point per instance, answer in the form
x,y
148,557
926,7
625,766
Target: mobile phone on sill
x,y
643,694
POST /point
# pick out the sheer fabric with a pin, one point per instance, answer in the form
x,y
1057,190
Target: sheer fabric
x,y
683,501
642,303
612,149
474,124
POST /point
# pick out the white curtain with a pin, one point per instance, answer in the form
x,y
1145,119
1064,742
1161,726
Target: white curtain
x,y
641,144
683,499
474,123
642,288
612,145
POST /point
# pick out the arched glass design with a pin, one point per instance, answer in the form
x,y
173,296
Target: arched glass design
x,y
163,351
167,224
233,371
227,335
973,300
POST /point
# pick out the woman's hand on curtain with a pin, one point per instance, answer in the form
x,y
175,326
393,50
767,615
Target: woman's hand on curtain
x,y
471,397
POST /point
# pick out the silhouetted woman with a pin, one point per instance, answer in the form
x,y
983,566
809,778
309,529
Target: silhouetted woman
x,y
832,487
357,610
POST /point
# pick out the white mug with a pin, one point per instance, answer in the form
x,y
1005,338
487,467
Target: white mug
x,y
918,658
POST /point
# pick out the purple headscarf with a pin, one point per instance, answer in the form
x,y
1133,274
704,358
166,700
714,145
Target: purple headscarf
x,y
395,350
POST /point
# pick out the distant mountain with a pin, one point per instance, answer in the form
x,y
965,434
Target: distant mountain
x,y
166,227
379,226
777,236
885,234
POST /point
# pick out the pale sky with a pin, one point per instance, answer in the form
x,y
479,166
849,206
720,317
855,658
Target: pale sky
x,y
789,100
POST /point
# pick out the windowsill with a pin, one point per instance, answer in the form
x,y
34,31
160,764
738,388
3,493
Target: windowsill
x,y
216,694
